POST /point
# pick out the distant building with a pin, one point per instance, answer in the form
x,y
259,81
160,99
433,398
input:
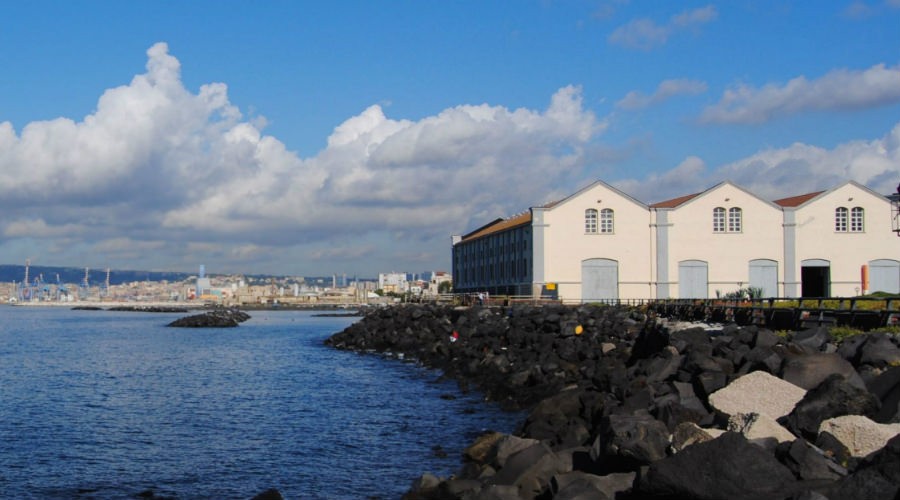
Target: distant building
x,y
437,279
601,244
393,282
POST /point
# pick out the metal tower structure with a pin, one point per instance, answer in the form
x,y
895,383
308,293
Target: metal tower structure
x,y
84,288
104,288
24,291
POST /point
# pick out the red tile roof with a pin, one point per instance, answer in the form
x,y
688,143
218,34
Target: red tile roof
x,y
674,202
796,201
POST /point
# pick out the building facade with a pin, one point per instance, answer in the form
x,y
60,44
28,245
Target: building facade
x,y
600,244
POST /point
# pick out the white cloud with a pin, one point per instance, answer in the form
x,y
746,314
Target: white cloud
x,y
839,89
686,178
187,173
646,34
38,228
665,90
779,173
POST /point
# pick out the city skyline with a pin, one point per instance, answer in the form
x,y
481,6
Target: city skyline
x,y
300,138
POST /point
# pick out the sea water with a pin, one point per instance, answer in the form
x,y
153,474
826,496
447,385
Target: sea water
x,y
103,404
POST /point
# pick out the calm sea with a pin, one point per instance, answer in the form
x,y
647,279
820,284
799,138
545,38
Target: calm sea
x,y
102,404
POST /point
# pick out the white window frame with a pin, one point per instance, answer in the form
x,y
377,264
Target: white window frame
x,y
718,220
590,221
857,219
841,216
735,220
607,221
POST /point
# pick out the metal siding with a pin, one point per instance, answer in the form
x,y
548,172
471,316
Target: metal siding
x,y
599,280
884,276
764,274
693,281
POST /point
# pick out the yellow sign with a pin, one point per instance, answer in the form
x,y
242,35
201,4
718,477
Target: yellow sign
x,y
551,286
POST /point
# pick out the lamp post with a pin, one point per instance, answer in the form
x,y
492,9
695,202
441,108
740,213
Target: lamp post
x,y
895,210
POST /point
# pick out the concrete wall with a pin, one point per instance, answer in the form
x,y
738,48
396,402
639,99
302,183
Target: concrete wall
x,y
566,244
846,252
727,254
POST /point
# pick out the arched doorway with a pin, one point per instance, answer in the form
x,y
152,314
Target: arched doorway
x,y
693,279
599,280
815,278
764,275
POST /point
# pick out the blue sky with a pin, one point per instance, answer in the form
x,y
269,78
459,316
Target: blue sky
x,y
356,137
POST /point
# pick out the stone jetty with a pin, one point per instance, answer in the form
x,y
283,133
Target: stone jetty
x,y
624,405
220,317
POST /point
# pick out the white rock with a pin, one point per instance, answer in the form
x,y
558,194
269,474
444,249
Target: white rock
x,y
757,426
859,434
757,392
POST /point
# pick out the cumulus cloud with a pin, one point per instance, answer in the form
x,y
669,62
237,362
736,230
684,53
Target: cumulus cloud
x,y
686,178
838,90
646,34
664,91
177,174
782,172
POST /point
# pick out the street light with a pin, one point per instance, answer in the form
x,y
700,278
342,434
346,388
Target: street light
x,y
895,210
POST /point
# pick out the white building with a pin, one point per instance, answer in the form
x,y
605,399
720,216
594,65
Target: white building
x,y
601,244
393,282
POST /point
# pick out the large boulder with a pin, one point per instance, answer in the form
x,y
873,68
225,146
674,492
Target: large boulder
x,y
808,462
860,434
582,486
809,370
628,441
811,340
726,467
834,397
886,387
757,392
531,470
877,477
681,405
880,350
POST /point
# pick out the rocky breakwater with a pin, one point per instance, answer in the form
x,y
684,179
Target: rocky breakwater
x,y
217,318
626,406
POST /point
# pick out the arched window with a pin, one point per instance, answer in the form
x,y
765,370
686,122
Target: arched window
x,y
840,219
735,216
590,221
607,220
718,220
857,216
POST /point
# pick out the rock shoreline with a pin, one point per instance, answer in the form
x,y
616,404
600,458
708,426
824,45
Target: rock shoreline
x,y
623,405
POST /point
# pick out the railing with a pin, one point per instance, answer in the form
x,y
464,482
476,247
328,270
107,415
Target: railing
x,y
864,313
775,313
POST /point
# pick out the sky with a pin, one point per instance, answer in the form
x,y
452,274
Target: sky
x,y
319,138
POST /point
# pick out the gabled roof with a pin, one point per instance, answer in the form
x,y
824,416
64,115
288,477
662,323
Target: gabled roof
x,y
591,186
803,199
674,202
796,201
677,202
499,225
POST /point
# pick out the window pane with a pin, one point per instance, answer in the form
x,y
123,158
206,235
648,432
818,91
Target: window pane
x,y
856,219
718,220
734,220
590,221
840,220
606,220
